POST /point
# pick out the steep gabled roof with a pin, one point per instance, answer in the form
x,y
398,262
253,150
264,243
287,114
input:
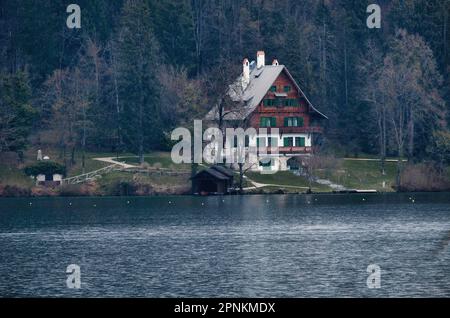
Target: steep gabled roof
x,y
223,170
260,82
212,172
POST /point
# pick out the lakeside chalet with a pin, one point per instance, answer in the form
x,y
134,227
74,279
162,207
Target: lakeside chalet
x,y
267,96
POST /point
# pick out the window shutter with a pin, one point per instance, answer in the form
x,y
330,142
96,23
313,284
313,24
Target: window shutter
x,y
273,122
300,121
300,141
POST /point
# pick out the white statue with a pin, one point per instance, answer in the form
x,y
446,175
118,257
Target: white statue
x,y
39,155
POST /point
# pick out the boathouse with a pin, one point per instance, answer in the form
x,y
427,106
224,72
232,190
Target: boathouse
x,y
214,180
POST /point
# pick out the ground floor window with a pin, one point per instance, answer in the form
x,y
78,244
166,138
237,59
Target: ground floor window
x,y
266,162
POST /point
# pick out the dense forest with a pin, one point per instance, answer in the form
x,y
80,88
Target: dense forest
x,y
138,68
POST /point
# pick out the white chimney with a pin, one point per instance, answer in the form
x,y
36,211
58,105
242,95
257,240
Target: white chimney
x,y
275,62
260,59
245,73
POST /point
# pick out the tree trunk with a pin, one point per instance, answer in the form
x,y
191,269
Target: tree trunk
x,y
241,177
398,180
411,138
72,156
194,167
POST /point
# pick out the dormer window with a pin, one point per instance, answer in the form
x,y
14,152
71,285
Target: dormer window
x,y
273,88
287,88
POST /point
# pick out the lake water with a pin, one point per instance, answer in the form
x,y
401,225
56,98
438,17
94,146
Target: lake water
x,y
232,246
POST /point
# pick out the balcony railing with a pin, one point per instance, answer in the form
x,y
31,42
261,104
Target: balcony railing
x,y
284,150
290,130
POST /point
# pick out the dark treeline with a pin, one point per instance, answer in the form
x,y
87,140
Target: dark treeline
x,y
138,68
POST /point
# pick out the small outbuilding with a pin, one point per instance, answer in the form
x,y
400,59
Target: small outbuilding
x,y
49,180
214,180
46,173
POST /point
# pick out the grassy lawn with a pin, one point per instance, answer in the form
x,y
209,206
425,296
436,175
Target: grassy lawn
x,y
109,181
14,176
158,159
286,178
362,175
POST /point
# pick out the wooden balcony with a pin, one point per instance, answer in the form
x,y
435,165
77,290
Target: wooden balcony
x,y
295,130
284,150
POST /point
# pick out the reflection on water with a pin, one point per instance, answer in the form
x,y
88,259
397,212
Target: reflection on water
x,y
249,246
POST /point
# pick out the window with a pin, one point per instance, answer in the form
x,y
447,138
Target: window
x,y
273,88
269,102
273,141
293,102
289,102
299,141
287,88
247,141
268,122
266,162
261,142
288,141
293,121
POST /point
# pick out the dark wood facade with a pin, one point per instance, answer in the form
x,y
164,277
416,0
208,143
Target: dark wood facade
x,y
214,180
280,112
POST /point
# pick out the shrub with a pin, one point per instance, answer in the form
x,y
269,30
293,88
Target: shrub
x,y
14,191
45,167
124,188
423,177
75,190
324,162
